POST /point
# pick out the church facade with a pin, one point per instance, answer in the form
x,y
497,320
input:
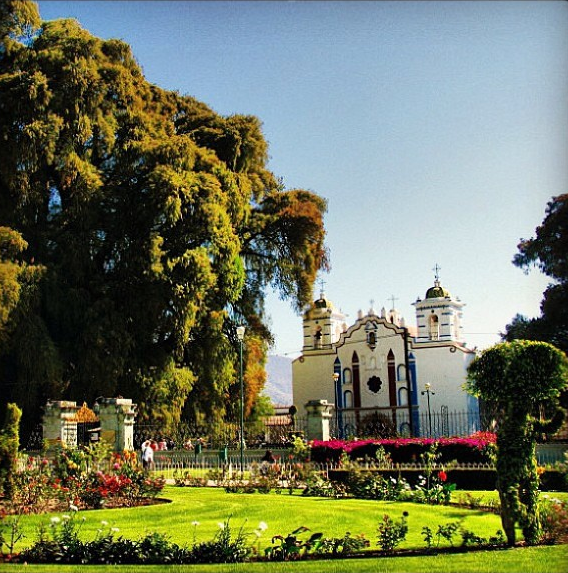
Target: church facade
x,y
379,373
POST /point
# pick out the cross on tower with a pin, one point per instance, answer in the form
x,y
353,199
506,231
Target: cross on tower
x,y
392,299
436,270
322,285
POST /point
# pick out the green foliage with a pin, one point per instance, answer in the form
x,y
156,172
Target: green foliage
x,y
9,444
392,533
224,548
554,520
292,546
547,251
517,379
155,222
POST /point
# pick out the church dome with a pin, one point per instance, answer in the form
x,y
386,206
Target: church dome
x,y
437,291
322,302
320,306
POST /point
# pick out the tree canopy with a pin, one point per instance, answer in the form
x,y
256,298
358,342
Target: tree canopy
x,y
521,381
155,223
548,251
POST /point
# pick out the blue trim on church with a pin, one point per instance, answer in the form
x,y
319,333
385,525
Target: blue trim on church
x,y
414,393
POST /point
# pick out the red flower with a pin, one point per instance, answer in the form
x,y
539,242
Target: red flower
x,y
442,476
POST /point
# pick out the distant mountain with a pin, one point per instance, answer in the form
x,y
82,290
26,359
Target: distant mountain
x,y
279,380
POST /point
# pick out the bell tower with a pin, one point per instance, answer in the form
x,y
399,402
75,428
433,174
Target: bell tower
x,y
323,324
439,315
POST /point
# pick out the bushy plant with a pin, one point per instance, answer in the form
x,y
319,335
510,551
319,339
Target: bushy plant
x,y
292,546
185,479
365,484
32,486
392,533
554,520
224,548
434,489
345,545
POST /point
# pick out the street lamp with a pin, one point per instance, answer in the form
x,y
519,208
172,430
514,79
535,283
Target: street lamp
x,y
241,337
428,392
335,379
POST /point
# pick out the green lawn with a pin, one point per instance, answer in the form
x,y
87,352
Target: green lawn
x,y
283,513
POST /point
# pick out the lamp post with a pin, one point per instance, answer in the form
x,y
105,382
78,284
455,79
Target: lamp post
x,y
241,337
427,391
335,379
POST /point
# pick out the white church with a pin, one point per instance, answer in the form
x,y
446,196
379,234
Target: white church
x,y
378,371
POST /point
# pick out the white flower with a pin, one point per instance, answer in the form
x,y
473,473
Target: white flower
x,y
262,526
104,523
65,517
55,520
115,529
221,525
73,507
195,523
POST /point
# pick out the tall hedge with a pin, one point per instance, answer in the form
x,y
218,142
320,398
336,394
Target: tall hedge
x,y
9,444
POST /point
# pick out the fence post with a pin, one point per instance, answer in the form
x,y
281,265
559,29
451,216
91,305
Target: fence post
x,y
319,415
59,423
117,422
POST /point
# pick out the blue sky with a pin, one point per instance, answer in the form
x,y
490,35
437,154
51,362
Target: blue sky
x,y
437,131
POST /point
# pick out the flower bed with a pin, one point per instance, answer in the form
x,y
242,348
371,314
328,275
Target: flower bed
x,y
89,478
476,448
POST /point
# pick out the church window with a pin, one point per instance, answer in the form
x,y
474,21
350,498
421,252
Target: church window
x,y
403,396
348,399
371,339
401,373
317,337
434,327
347,379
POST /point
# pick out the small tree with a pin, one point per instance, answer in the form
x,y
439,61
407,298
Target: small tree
x,y
520,380
9,444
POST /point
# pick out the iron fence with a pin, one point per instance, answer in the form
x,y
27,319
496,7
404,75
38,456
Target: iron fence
x,y
399,422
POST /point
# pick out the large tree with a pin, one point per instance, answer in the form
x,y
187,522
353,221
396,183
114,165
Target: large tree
x,y
548,251
156,221
521,381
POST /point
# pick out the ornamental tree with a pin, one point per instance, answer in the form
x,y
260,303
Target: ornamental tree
x,y
521,382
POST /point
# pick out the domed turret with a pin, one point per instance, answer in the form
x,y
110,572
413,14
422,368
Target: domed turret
x,y
437,291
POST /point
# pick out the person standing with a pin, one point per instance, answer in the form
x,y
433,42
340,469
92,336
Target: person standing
x,y
147,455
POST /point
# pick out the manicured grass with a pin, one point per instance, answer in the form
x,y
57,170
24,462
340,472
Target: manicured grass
x,y
283,513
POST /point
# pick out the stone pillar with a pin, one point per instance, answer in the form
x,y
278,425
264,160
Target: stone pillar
x,y
60,424
319,415
117,422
